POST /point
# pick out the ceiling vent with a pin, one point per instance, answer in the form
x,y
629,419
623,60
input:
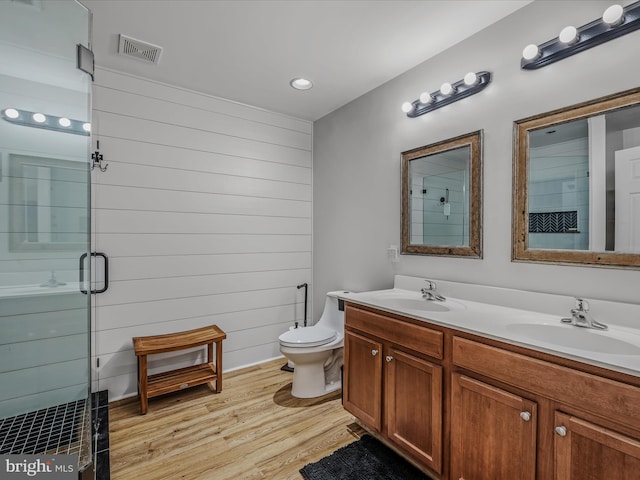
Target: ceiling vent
x,y
138,49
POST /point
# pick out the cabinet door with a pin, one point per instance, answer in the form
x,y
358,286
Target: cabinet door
x,y
413,406
493,433
584,450
362,389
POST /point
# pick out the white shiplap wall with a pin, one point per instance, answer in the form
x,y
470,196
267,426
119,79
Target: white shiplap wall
x,y
205,214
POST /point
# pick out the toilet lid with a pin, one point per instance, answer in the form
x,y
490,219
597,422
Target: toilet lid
x,y
307,336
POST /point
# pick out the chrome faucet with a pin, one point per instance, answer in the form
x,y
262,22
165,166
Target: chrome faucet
x,y
580,317
53,281
431,293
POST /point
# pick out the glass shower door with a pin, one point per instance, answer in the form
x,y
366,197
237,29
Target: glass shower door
x,y
44,226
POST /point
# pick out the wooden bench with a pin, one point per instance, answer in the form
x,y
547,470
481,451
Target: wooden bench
x,y
173,380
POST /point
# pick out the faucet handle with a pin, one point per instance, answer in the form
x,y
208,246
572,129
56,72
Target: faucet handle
x,y
582,305
432,284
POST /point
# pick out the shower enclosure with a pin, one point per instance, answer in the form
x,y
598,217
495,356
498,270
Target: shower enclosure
x,y
44,229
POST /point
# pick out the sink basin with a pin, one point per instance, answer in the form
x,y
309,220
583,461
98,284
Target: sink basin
x,y
412,302
423,304
575,337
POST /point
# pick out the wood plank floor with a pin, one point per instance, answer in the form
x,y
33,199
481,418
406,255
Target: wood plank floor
x,y
253,429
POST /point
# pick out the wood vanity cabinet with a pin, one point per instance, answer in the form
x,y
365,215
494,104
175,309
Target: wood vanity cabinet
x,y
362,387
573,425
586,450
493,432
395,390
493,411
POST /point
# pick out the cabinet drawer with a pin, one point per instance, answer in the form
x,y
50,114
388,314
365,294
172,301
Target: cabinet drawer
x,y
414,337
598,395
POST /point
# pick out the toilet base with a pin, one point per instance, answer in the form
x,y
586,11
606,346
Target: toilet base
x,y
310,375
303,391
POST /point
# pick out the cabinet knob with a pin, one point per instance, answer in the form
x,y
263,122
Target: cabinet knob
x,y
562,431
389,358
526,416
374,352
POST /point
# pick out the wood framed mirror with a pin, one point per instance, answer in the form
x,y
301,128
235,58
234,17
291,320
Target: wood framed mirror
x,y
576,184
441,198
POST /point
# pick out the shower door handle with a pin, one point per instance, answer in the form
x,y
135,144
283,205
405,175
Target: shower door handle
x,y
83,258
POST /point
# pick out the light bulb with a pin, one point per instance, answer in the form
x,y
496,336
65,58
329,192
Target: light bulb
x,y
86,127
64,122
614,15
470,79
407,107
531,52
568,35
446,89
301,83
39,117
12,113
425,97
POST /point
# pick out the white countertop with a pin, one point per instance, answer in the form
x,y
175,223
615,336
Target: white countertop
x,y
616,349
21,291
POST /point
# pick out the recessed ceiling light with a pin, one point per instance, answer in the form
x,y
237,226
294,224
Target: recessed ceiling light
x,y
301,83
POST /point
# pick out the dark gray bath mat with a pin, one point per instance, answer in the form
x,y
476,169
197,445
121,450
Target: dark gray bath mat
x,y
365,459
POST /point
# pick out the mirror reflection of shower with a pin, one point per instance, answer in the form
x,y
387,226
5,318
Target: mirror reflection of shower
x,y
441,184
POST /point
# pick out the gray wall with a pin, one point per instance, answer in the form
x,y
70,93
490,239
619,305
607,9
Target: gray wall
x,y
357,157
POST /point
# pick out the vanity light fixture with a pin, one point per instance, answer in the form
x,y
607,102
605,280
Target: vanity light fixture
x,y
448,93
48,122
11,113
407,107
301,83
614,15
615,22
447,89
470,79
425,98
569,35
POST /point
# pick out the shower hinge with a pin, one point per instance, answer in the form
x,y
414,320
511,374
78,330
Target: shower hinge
x,y
85,60
97,363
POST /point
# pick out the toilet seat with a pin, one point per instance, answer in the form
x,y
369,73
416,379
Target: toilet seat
x,y
308,336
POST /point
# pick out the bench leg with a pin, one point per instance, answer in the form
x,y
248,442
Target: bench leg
x,y
218,366
142,383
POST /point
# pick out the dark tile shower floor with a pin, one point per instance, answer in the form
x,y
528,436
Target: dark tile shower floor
x,y
55,430
62,430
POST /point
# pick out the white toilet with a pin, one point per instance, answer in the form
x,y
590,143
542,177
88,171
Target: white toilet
x,y
317,352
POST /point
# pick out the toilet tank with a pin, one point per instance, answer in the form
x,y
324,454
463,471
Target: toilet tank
x,y
332,317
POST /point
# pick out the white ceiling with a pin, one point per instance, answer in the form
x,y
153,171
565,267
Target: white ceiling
x,y
248,50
